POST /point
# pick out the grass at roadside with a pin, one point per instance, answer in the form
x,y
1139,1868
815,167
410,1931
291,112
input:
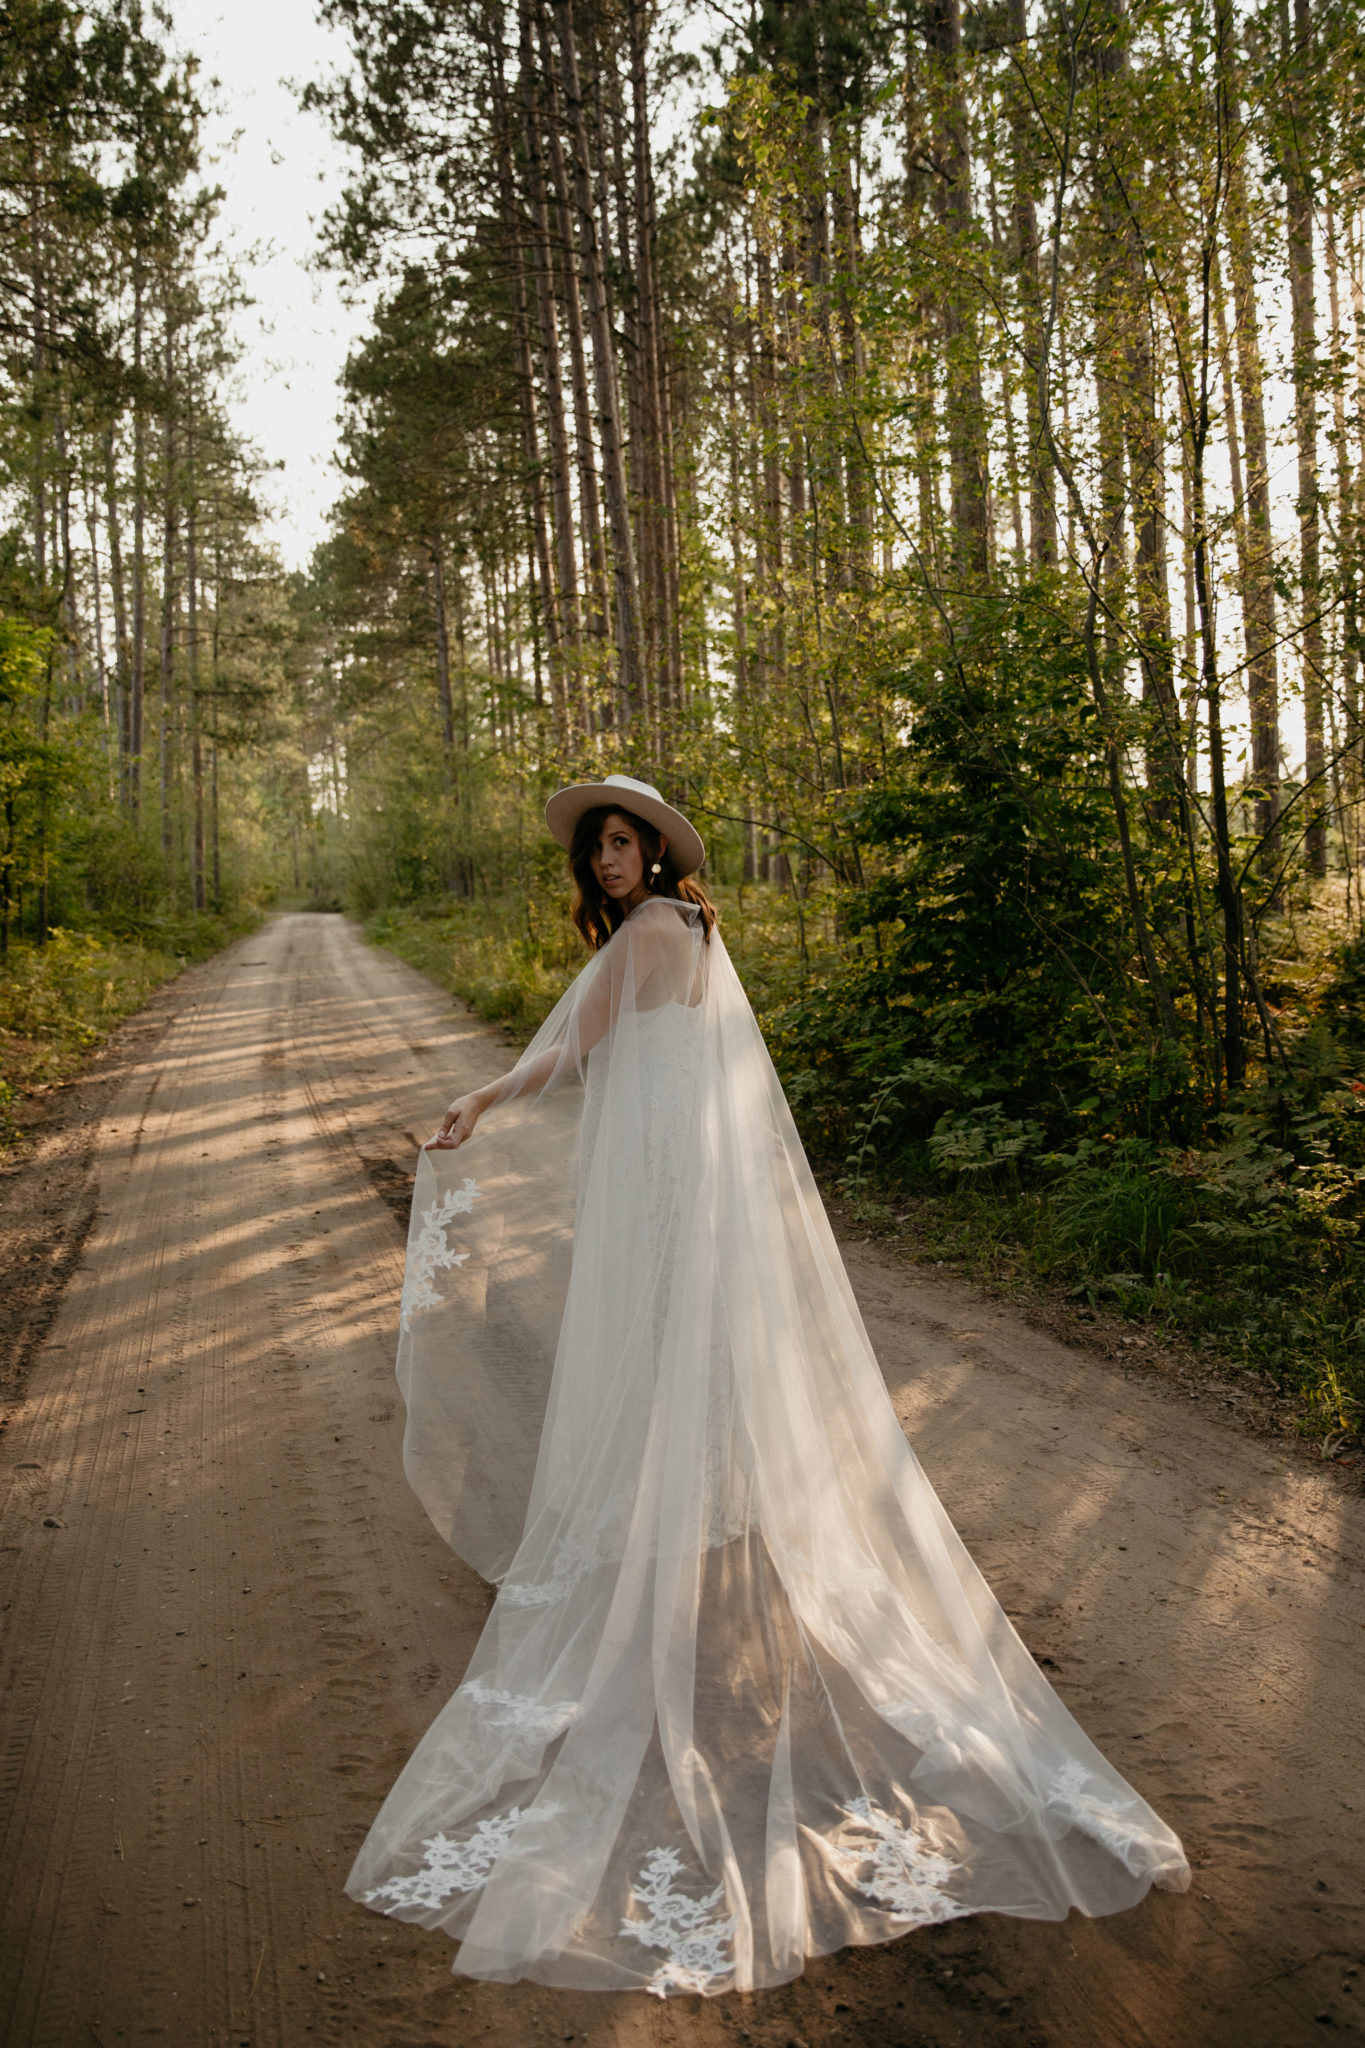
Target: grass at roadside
x,y
60,1000
487,955
512,959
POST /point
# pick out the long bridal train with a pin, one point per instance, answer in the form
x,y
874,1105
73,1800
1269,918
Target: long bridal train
x,y
743,1697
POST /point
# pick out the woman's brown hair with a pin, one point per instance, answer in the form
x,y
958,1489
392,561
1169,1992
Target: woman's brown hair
x,y
596,915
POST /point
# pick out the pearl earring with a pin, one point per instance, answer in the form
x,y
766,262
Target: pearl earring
x,y
657,868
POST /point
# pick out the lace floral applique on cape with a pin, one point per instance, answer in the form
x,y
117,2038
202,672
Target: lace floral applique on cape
x,y
696,1940
519,1712
898,1869
1118,1829
449,1867
429,1253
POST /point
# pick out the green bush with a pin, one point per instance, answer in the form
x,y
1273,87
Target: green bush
x,y
1342,1004
68,993
60,999
989,939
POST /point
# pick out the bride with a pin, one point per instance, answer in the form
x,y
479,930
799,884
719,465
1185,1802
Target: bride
x,y
743,1697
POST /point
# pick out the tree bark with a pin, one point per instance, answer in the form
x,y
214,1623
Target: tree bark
x,y
1229,895
1258,575
1296,50
967,452
555,625
443,692
1041,481
623,265
654,376
169,536
557,434
197,875
97,624
1345,740
215,649
1114,312
118,594
137,666
624,574
589,497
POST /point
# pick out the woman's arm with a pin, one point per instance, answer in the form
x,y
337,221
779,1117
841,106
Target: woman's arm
x,y
462,1115
591,1020
645,949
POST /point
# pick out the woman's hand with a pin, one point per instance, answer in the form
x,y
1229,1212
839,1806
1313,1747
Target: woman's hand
x,y
458,1123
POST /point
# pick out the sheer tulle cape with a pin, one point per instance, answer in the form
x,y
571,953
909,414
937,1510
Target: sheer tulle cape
x,y
743,1697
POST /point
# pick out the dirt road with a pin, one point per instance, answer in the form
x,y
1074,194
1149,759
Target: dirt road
x,y
226,1621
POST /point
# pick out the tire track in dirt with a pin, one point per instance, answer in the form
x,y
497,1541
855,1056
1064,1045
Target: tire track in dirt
x,y
215,1662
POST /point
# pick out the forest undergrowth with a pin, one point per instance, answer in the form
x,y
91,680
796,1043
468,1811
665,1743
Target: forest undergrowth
x,y
1243,1242
60,1000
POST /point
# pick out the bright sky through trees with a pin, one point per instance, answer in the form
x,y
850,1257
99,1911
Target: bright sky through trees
x,y
277,178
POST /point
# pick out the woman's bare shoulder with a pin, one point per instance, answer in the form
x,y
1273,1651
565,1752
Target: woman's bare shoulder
x,y
663,920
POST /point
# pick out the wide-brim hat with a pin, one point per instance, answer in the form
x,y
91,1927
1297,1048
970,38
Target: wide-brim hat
x,y
623,793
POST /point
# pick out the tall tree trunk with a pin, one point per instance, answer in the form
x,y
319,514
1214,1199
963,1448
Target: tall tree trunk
x,y
623,266
1114,313
1147,472
1013,478
1355,249
604,373
137,665
71,633
1234,446
669,372
967,456
215,649
38,353
97,636
1348,550
1147,469
1258,576
1344,736
847,258
169,536
444,697
1190,651
739,568
557,434
1296,52
772,552
459,875
652,346
1229,895
1130,413
516,241
589,496
1041,481
118,594
197,876
1250,570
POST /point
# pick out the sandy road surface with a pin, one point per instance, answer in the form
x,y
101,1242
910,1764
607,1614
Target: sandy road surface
x,y
226,1622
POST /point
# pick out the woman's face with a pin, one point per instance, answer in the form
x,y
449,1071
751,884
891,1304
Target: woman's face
x,y
618,860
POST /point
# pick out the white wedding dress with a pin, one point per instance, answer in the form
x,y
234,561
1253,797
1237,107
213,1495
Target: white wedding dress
x,y
743,1697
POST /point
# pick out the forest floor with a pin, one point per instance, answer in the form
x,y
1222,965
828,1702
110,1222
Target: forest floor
x,y
226,1621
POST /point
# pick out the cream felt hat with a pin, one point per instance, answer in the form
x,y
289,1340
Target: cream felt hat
x,y
622,792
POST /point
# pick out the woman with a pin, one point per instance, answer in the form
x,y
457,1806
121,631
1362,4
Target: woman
x,y
743,1697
